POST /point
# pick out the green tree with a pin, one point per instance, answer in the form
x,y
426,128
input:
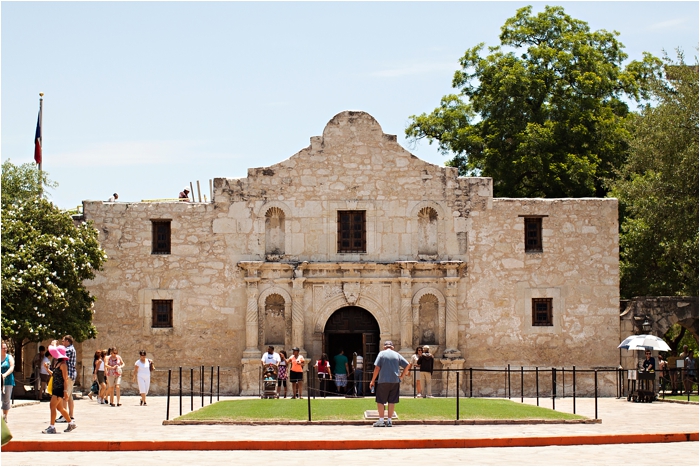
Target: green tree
x,y
543,114
45,260
658,189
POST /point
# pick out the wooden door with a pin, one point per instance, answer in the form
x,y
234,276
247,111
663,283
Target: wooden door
x,y
370,344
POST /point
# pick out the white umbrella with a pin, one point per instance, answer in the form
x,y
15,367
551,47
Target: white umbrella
x,y
644,342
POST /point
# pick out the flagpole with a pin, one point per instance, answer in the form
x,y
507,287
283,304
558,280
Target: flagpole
x,y
41,125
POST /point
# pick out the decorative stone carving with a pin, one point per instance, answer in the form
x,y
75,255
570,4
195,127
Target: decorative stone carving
x,y
351,291
251,318
332,290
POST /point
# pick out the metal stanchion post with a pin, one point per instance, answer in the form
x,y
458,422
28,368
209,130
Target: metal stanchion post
x,y
218,377
595,375
180,378
458,395
191,389
537,385
308,393
211,385
573,382
554,387
509,381
201,384
522,385
167,409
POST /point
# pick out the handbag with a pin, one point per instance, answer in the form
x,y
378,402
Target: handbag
x,y
151,366
6,434
49,387
95,388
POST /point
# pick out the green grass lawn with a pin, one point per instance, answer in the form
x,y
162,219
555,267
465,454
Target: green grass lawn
x,y
354,409
693,398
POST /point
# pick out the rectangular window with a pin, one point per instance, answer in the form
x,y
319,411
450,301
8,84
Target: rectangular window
x,y
162,312
351,232
542,312
161,237
533,234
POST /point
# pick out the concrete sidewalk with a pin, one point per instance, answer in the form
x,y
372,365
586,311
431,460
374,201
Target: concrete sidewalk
x,y
131,423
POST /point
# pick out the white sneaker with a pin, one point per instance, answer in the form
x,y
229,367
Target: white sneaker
x,y
379,424
418,395
388,423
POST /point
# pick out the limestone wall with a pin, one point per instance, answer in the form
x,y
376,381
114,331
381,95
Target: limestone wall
x,y
429,233
578,269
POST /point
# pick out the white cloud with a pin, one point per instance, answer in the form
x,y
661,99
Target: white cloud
x,y
416,69
670,24
135,153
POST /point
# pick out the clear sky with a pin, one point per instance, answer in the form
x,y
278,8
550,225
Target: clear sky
x,y
143,98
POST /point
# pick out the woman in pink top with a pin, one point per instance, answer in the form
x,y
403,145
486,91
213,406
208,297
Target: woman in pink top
x,y
114,367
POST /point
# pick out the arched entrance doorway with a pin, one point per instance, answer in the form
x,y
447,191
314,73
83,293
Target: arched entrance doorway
x,y
353,329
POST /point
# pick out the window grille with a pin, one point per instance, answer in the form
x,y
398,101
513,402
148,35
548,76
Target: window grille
x,y
162,312
161,237
352,232
542,312
533,234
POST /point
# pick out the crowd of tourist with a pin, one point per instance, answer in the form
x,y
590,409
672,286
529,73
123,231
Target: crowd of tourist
x,y
347,374
55,374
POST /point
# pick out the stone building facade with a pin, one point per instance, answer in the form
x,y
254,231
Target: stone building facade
x,y
350,242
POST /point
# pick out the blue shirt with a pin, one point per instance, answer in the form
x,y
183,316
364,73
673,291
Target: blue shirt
x,y
390,363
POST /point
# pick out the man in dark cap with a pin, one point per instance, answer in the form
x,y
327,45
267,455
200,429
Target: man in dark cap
x,y
388,374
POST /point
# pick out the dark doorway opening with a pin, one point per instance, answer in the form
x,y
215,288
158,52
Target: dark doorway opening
x,y
352,329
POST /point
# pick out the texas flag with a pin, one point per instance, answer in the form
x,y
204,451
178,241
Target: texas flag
x,y
37,140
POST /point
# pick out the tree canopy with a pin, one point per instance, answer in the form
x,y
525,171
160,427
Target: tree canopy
x,y
658,189
45,259
544,113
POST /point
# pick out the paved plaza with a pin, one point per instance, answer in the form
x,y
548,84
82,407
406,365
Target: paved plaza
x,y
132,422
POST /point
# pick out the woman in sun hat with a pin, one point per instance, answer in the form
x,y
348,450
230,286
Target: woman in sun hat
x,y
58,389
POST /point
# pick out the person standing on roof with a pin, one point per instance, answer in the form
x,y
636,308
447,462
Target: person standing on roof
x,y
185,195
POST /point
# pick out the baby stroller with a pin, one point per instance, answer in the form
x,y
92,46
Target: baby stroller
x,y
269,382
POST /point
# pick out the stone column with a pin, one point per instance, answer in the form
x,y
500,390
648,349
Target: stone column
x,y
251,319
250,363
298,314
451,318
406,312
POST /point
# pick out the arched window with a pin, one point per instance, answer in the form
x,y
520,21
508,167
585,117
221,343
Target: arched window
x,y
274,322
427,231
426,332
274,231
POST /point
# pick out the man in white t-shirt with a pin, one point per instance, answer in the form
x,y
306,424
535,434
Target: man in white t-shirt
x,y
270,357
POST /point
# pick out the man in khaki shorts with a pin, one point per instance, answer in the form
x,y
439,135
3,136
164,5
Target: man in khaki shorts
x,y
388,375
